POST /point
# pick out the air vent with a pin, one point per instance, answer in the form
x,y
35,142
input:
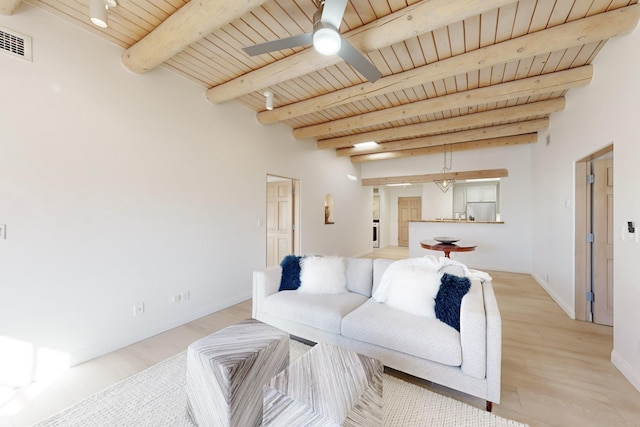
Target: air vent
x,y
15,44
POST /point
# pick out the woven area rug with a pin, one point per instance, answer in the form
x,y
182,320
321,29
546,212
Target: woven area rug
x,y
156,397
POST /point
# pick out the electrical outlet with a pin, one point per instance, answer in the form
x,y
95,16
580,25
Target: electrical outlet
x,y
185,296
138,309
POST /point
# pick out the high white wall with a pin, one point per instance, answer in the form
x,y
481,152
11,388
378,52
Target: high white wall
x,y
119,188
602,113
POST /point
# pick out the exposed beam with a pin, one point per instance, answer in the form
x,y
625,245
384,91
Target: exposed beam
x,y
359,156
419,179
576,33
7,7
532,86
425,16
190,23
485,118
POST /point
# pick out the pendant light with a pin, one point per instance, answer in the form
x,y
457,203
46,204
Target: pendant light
x,y
444,184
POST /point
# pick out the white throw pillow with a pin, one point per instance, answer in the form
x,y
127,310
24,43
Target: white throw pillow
x,y
322,275
410,288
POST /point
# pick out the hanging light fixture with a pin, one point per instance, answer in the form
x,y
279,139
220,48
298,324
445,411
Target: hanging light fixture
x,y
99,11
444,184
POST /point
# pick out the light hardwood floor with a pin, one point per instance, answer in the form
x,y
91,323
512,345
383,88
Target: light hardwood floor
x,y
555,371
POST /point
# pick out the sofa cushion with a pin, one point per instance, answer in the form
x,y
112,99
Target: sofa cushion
x,y
411,288
359,275
380,265
321,311
290,277
422,337
449,299
322,275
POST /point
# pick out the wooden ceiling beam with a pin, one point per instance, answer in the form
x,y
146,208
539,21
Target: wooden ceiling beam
x,y
398,149
7,7
573,34
482,119
190,23
532,86
425,16
358,156
420,179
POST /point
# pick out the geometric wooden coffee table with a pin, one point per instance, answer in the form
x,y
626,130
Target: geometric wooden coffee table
x,y
328,385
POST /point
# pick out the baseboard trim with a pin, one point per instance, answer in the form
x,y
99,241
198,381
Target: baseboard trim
x,y
103,348
626,369
571,312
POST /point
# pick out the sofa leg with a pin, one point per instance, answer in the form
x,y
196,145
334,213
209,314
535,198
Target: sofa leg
x,y
489,406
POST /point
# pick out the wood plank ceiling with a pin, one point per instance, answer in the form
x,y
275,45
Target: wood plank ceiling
x,y
457,75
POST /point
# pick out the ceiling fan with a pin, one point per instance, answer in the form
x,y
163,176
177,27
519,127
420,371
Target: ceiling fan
x,y
325,38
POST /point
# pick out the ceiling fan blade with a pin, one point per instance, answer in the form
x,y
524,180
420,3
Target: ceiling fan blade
x,y
333,11
286,43
358,62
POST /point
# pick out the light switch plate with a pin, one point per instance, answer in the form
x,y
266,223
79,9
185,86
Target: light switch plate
x,y
3,231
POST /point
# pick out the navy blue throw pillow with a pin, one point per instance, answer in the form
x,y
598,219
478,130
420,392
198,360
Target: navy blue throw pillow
x,y
449,299
290,278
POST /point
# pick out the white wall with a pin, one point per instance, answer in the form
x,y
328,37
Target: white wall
x,y
118,188
602,113
515,194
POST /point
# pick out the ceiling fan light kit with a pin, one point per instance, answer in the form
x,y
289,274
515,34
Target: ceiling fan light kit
x,y
325,39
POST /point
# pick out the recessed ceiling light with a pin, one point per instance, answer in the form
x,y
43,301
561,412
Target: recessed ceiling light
x,y
368,144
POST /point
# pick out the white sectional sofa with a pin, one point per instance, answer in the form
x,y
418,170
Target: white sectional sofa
x,y
468,361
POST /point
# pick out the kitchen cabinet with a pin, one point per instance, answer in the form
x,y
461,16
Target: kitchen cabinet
x,y
459,199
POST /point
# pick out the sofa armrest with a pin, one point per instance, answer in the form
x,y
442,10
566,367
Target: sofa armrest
x,y
494,343
473,332
265,282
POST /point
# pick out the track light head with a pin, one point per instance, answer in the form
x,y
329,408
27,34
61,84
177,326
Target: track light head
x,y
269,99
99,11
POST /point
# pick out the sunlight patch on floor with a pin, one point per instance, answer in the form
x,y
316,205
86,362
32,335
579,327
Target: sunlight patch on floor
x,y
25,372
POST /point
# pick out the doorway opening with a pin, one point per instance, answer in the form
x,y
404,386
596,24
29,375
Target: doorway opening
x,y
283,218
594,238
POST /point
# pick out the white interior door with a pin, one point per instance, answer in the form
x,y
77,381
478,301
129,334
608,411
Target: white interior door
x,y
279,220
409,208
